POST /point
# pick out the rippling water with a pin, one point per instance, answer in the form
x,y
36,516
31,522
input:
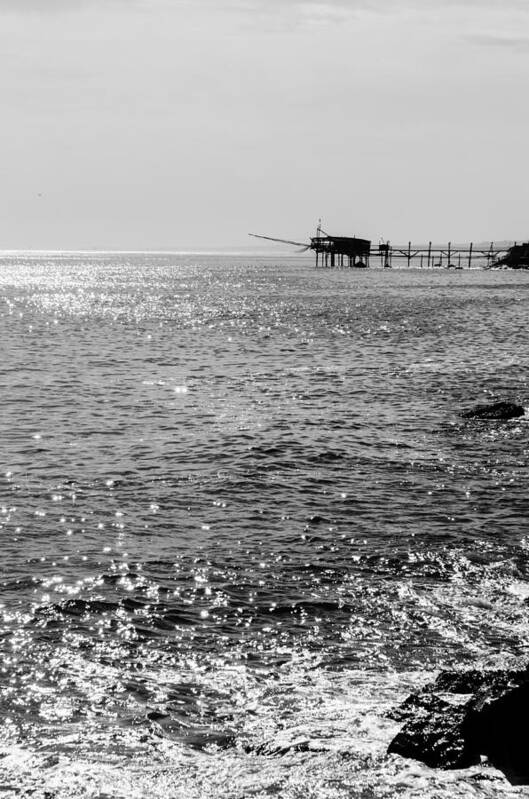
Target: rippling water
x,y
241,518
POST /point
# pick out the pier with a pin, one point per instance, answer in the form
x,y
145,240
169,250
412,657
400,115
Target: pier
x,y
429,256
353,252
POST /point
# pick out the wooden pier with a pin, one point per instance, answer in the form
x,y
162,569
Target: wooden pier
x,y
352,252
429,256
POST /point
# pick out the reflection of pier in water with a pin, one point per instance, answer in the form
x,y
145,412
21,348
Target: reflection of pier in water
x,y
349,251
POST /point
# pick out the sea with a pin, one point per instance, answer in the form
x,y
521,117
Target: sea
x,y
242,518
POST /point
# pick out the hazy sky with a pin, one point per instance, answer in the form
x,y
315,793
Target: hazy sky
x,y
181,124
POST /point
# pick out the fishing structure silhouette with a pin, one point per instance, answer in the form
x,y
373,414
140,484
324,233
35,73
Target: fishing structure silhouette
x,y
354,252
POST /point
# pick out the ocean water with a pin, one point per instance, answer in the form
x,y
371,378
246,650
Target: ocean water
x,y
241,518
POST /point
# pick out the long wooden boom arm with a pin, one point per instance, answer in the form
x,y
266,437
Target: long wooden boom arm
x,y
282,241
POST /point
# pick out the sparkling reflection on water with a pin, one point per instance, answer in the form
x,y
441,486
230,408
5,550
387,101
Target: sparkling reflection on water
x,y
241,518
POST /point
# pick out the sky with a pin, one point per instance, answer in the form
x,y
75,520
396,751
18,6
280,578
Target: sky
x,y
187,124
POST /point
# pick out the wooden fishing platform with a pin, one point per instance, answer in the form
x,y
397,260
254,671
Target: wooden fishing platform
x,y
352,252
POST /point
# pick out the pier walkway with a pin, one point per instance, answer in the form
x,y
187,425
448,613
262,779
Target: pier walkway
x,y
427,256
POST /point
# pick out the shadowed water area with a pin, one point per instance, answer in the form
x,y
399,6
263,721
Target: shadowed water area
x,y
241,518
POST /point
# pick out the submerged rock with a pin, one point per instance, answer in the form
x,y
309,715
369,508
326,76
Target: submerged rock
x,y
463,715
281,747
495,410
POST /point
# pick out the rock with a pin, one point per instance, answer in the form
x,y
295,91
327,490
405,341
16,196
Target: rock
x,y
482,713
500,730
417,705
281,747
436,735
493,681
496,410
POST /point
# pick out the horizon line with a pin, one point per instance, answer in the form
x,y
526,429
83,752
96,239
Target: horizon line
x,y
262,252
35,251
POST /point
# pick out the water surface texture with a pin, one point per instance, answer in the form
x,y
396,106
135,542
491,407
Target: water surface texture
x,y
241,519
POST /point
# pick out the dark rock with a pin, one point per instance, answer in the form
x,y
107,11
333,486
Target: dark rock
x,y
417,706
500,729
437,736
494,681
280,748
155,715
496,410
486,715
517,257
